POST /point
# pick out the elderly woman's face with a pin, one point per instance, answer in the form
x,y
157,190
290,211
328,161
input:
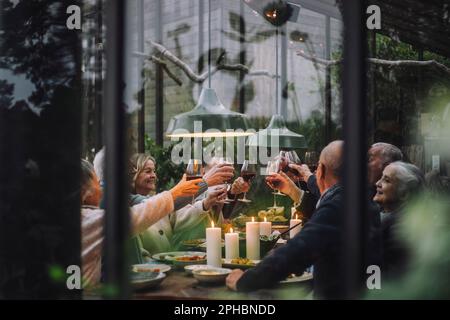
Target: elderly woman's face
x,y
146,180
387,187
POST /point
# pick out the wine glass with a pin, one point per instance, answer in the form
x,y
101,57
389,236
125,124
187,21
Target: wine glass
x,y
311,160
227,161
283,158
277,166
194,171
293,158
272,168
248,172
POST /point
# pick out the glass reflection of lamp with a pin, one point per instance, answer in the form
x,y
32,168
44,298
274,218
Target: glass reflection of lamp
x,y
276,12
286,139
215,119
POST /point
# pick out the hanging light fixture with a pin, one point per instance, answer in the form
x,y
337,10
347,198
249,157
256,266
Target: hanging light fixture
x,y
277,134
209,118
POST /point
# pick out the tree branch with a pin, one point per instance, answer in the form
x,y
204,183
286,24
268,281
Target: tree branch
x,y
197,78
389,63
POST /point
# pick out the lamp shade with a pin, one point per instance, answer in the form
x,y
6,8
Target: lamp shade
x,y
287,139
213,117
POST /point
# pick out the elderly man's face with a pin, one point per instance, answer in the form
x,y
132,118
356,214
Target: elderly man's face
x,y
376,165
387,186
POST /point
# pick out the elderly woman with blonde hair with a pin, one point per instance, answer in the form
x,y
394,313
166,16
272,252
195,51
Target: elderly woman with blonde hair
x,y
190,221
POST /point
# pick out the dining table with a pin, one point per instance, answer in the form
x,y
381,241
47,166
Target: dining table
x,y
178,285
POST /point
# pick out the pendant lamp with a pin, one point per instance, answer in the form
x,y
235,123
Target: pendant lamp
x,y
284,138
209,112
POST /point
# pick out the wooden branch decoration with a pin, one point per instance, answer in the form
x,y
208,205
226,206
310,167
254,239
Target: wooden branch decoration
x,y
389,63
197,78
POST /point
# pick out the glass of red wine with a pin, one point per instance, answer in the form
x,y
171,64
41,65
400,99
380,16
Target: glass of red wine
x,y
194,170
227,161
311,160
273,167
293,158
248,172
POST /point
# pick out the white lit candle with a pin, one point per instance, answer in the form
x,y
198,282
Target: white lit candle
x,y
265,228
213,246
297,229
231,245
293,211
252,239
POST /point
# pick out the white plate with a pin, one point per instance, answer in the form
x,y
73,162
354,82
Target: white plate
x,y
141,280
211,275
304,277
189,269
150,267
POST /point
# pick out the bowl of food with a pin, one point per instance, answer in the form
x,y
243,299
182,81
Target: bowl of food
x,y
211,275
190,268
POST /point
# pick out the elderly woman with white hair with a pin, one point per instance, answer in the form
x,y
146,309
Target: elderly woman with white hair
x,y
399,183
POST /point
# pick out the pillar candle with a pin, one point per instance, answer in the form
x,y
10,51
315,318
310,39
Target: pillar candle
x,y
293,211
265,228
231,245
252,239
213,246
297,229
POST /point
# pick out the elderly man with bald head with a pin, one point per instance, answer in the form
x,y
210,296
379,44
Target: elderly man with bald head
x,y
319,242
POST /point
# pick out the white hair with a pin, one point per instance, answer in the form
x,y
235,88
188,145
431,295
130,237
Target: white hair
x,y
411,179
389,152
99,163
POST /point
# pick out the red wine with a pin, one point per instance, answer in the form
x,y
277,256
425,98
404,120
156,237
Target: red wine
x,y
189,178
284,165
275,183
247,175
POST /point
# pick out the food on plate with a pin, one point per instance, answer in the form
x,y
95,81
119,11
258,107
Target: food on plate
x,y
272,215
209,272
190,258
242,261
271,237
241,220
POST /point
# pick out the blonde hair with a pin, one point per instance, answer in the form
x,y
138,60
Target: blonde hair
x,y
137,165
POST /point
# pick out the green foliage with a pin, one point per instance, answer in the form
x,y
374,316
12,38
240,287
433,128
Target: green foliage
x,y
56,273
167,172
425,229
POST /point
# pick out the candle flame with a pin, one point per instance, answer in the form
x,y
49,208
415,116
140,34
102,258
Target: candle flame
x,y
212,224
253,219
231,230
265,219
